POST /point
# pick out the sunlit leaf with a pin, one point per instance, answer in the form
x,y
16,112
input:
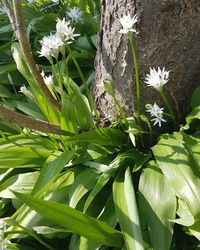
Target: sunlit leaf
x,y
74,221
84,182
157,202
102,136
175,162
126,210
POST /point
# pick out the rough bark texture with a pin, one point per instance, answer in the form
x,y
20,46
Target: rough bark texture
x,y
169,35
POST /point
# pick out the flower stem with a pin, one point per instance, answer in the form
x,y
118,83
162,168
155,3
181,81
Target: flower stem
x,y
168,107
137,80
91,101
121,111
56,75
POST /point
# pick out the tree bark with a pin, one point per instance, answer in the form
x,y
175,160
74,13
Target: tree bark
x,y
169,35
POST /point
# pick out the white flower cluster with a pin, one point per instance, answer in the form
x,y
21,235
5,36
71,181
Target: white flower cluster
x,y
157,113
157,79
55,43
75,14
47,79
127,23
26,92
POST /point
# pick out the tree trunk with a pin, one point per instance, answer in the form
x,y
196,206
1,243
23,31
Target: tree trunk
x,y
169,35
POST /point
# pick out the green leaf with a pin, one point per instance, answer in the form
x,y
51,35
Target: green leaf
x,y
81,110
126,210
44,23
84,182
24,151
74,221
68,117
22,183
176,164
157,202
4,92
7,68
97,188
195,100
102,136
50,171
193,115
23,157
49,111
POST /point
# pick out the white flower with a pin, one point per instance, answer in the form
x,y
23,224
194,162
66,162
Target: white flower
x,y
26,92
51,45
127,23
65,31
23,89
75,14
47,79
157,113
157,79
61,26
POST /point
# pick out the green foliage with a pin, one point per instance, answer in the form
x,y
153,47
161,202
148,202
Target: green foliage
x,y
157,203
126,210
89,187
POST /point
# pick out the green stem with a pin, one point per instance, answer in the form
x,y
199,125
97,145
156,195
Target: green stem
x,y
85,84
168,107
60,82
137,80
57,79
65,64
121,111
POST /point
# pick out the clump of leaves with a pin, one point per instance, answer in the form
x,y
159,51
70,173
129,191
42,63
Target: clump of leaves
x,y
65,183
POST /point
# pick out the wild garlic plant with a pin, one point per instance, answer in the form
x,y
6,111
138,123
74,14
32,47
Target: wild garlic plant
x,y
156,79
58,43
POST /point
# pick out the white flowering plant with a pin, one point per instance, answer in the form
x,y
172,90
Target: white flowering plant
x,y
68,178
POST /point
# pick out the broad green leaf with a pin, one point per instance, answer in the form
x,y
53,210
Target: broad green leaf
x,y
49,111
96,189
157,203
195,230
84,182
175,163
193,115
4,92
74,221
195,100
54,191
126,210
22,183
92,152
68,118
184,214
23,157
102,136
44,23
82,112
29,108
50,171
24,151
7,68
192,145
